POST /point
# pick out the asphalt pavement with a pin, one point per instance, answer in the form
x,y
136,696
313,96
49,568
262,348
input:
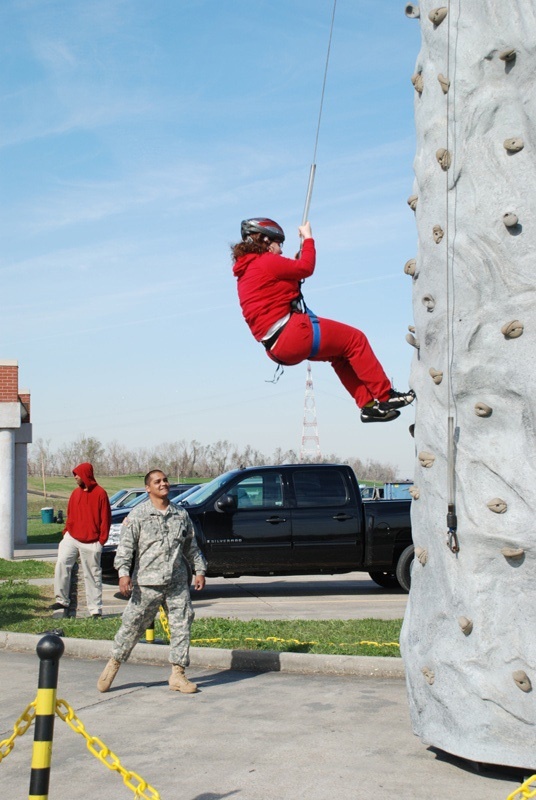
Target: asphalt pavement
x,y
262,727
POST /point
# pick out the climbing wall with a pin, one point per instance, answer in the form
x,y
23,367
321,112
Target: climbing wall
x,y
469,635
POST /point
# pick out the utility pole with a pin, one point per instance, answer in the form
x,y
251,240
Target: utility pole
x,y
310,443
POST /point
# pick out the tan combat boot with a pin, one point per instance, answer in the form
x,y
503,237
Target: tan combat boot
x,y
178,682
108,674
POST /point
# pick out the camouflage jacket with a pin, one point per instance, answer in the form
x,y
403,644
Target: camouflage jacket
x,y
160,541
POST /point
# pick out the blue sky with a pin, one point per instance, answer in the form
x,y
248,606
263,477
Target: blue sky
x,y
135,137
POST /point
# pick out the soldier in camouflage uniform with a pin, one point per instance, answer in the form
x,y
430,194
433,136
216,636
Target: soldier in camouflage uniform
x,y
162,536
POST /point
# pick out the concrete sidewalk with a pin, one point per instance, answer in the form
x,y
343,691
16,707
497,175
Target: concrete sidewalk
x,y
245,735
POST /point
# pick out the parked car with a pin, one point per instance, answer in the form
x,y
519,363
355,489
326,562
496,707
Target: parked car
x,y
120,514
124,497
299,519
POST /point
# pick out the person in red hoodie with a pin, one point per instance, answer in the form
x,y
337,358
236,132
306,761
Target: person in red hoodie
x,y
273,307
86,531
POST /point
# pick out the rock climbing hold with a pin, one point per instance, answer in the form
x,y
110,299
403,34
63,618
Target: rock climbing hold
x,y
428,674
482,410
444,158
422,555
410,266
428,302
426,459
412,11
418,82
510,219
522,680
410,339
443,82
513,552
512,330
412,201
411,430
508,55
437,15
414,490
436,375
497,505
438,233
514,145
465,624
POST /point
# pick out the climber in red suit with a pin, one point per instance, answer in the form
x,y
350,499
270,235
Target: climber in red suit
x,y
274,309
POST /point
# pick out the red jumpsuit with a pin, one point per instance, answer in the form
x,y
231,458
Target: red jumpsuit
x,y
267,284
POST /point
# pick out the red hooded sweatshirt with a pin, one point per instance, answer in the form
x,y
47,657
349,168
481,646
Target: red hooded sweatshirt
x,y
268,283
88,513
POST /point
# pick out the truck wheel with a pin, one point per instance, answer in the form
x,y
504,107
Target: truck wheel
x,y
403,568
386,579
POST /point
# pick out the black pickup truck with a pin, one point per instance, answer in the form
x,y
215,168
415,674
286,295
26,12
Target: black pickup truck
x,y
300,519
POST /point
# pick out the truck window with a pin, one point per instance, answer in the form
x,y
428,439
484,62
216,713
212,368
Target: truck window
x,y
259,491
322,487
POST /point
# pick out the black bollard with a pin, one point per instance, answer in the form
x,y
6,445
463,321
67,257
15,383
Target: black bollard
x,y
49,649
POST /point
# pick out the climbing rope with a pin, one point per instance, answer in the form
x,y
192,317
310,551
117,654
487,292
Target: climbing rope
x,y
452,523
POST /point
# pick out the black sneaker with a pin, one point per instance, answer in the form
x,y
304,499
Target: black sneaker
x,y
377,414
398,399
58,607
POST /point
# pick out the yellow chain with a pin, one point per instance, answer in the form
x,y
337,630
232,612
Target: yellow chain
x,y
20,727
293,641
526,790
164,623
97,748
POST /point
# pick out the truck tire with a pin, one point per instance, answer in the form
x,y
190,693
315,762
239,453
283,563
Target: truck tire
x,y
403,568
386,579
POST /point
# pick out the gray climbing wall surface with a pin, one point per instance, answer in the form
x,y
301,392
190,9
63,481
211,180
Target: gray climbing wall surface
x,y
469,635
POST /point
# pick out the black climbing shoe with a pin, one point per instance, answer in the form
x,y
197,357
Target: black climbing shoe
x,y
398,399
377,414
58,607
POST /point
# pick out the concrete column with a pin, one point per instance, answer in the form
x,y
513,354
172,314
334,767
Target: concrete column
x,y
7,493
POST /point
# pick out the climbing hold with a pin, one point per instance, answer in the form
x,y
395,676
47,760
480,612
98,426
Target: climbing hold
x,y
497,505
426,459
438,233
512,330
508,55
411,328
422,555
410,266
411,430
465,624
437,15
443,82
410,339
428,674
514,145
436,375
510,219
412,11
412,201
482,410
428,302
522,680
418,82
414,490
513,552
444,158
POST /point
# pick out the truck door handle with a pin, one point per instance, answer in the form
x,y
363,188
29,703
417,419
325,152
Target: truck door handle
x,y
342,517
275,520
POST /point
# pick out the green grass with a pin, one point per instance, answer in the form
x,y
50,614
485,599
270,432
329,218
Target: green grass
x,y
23,570
24,608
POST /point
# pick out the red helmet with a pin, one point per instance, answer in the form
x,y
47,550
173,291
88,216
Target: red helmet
x,y
271,229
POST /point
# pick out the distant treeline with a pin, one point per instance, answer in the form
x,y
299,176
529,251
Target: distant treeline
x,y
179,459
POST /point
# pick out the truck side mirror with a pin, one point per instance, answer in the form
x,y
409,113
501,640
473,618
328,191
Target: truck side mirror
x,y
226,504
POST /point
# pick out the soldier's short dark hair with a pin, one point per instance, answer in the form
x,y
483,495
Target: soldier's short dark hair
x,y
151,473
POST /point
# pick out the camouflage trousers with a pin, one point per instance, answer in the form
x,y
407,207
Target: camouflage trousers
x,y
141,611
